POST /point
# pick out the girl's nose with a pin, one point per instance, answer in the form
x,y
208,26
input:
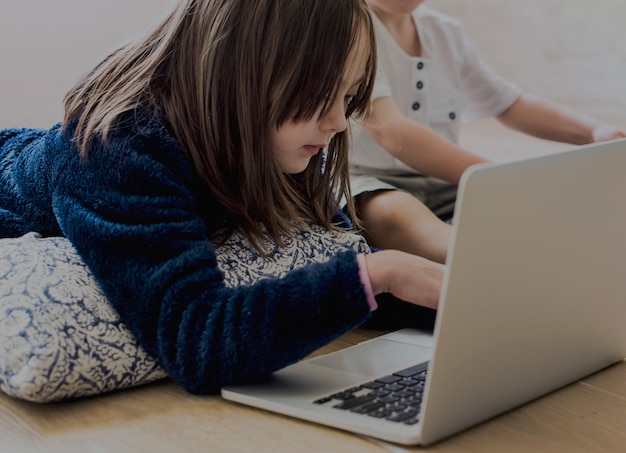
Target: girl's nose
x,y
335,119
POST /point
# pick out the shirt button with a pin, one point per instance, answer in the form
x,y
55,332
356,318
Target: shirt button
x,y
452,115
419,85
416,106
420,65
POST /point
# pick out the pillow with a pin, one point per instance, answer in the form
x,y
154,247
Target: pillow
x,y
61,339
59,336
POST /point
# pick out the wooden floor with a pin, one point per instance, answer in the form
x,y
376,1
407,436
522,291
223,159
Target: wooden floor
x,y
588,416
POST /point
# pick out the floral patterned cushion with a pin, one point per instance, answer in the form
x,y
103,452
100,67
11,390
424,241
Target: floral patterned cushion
x,y
61,339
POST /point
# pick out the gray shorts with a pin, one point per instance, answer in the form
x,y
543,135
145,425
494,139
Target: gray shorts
x,y
438,195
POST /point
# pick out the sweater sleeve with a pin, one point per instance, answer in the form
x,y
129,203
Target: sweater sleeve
x,y
132,213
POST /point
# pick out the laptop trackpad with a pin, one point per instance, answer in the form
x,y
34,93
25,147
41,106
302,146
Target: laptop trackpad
x,y
375,358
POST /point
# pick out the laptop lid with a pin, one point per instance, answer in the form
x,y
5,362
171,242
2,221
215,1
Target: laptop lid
x,y
533,299
535,294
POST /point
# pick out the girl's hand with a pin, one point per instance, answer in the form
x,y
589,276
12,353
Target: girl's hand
x,y
408,277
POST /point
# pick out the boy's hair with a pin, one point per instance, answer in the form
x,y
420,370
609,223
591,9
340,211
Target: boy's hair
x,y
226,73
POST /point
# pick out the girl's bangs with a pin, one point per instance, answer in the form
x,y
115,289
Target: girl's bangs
x,y
326,55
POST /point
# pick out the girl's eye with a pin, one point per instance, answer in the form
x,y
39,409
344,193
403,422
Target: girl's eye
x,y
349,99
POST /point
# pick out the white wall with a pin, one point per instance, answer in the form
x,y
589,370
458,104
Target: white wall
x,y
46,45
572,51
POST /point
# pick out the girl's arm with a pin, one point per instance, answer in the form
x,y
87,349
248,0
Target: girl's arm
x,y
416,145
541,118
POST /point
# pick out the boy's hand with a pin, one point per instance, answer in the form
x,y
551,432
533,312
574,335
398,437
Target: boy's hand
x,y
605,133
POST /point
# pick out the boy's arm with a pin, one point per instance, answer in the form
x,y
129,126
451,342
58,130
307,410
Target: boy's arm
x,y
415,144
541,118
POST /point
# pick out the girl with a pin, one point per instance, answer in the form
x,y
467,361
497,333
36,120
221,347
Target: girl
x,y
207,136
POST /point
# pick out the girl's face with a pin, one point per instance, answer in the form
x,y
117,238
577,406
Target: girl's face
x,y
395,6
295,143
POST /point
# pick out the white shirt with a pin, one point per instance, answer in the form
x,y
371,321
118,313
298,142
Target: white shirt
x,y
449,83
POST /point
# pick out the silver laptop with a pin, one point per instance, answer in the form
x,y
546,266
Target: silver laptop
x,y
534,299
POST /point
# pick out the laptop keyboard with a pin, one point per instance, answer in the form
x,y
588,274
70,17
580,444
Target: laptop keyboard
x,y
396,397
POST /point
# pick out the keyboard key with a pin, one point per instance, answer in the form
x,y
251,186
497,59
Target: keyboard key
x,y
373,385
389,379
412,371
354,402
401,416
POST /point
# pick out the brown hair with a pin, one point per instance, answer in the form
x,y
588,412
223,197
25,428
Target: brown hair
x,y
226,73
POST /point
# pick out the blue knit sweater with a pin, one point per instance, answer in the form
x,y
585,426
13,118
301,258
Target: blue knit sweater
x,y
137,215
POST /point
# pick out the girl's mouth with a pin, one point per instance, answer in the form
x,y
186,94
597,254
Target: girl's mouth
x,y
313,149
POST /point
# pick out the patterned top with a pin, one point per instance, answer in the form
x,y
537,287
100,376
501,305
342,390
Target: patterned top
x,y
243,265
